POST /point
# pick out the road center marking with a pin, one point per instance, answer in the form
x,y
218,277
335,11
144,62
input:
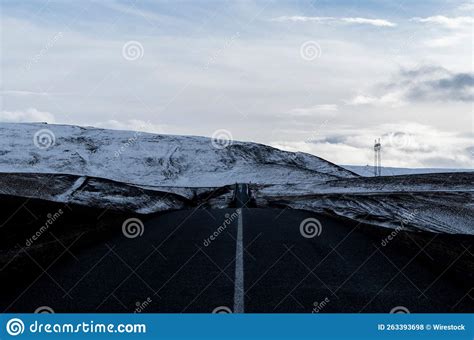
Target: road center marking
x,y
239,267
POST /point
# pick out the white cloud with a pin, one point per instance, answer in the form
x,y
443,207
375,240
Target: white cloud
x,y
31,93
362,21
468,6
404,144
362,99
133,10
448,31
132,125
391,99
302,19
29,115
171,87
373,22
448,40
422,84
336,153
320,110
448,22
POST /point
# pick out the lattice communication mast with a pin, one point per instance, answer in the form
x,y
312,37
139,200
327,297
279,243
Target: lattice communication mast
x,y
377,158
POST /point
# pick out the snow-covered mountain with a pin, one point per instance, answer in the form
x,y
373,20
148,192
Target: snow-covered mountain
x,y
147,173
153,160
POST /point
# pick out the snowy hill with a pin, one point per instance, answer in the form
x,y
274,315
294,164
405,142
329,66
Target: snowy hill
x,y
154,160
148,173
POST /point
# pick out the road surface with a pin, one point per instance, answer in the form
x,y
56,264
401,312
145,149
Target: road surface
x,y
240,260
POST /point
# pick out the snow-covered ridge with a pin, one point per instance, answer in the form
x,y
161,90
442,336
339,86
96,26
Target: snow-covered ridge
x,y
150,159
442,203
107,194
368,170
147,173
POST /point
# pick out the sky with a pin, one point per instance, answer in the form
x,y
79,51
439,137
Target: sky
x,y
323,77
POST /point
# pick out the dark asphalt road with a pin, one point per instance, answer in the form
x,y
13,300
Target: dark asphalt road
x,y
241,195
185,261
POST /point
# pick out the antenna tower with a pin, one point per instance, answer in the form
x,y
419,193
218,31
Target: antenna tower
x,y
377,158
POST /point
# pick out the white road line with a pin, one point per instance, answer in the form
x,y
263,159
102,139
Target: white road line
x,y
239,268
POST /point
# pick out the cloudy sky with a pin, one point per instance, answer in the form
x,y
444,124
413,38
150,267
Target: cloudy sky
x,y
324,77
